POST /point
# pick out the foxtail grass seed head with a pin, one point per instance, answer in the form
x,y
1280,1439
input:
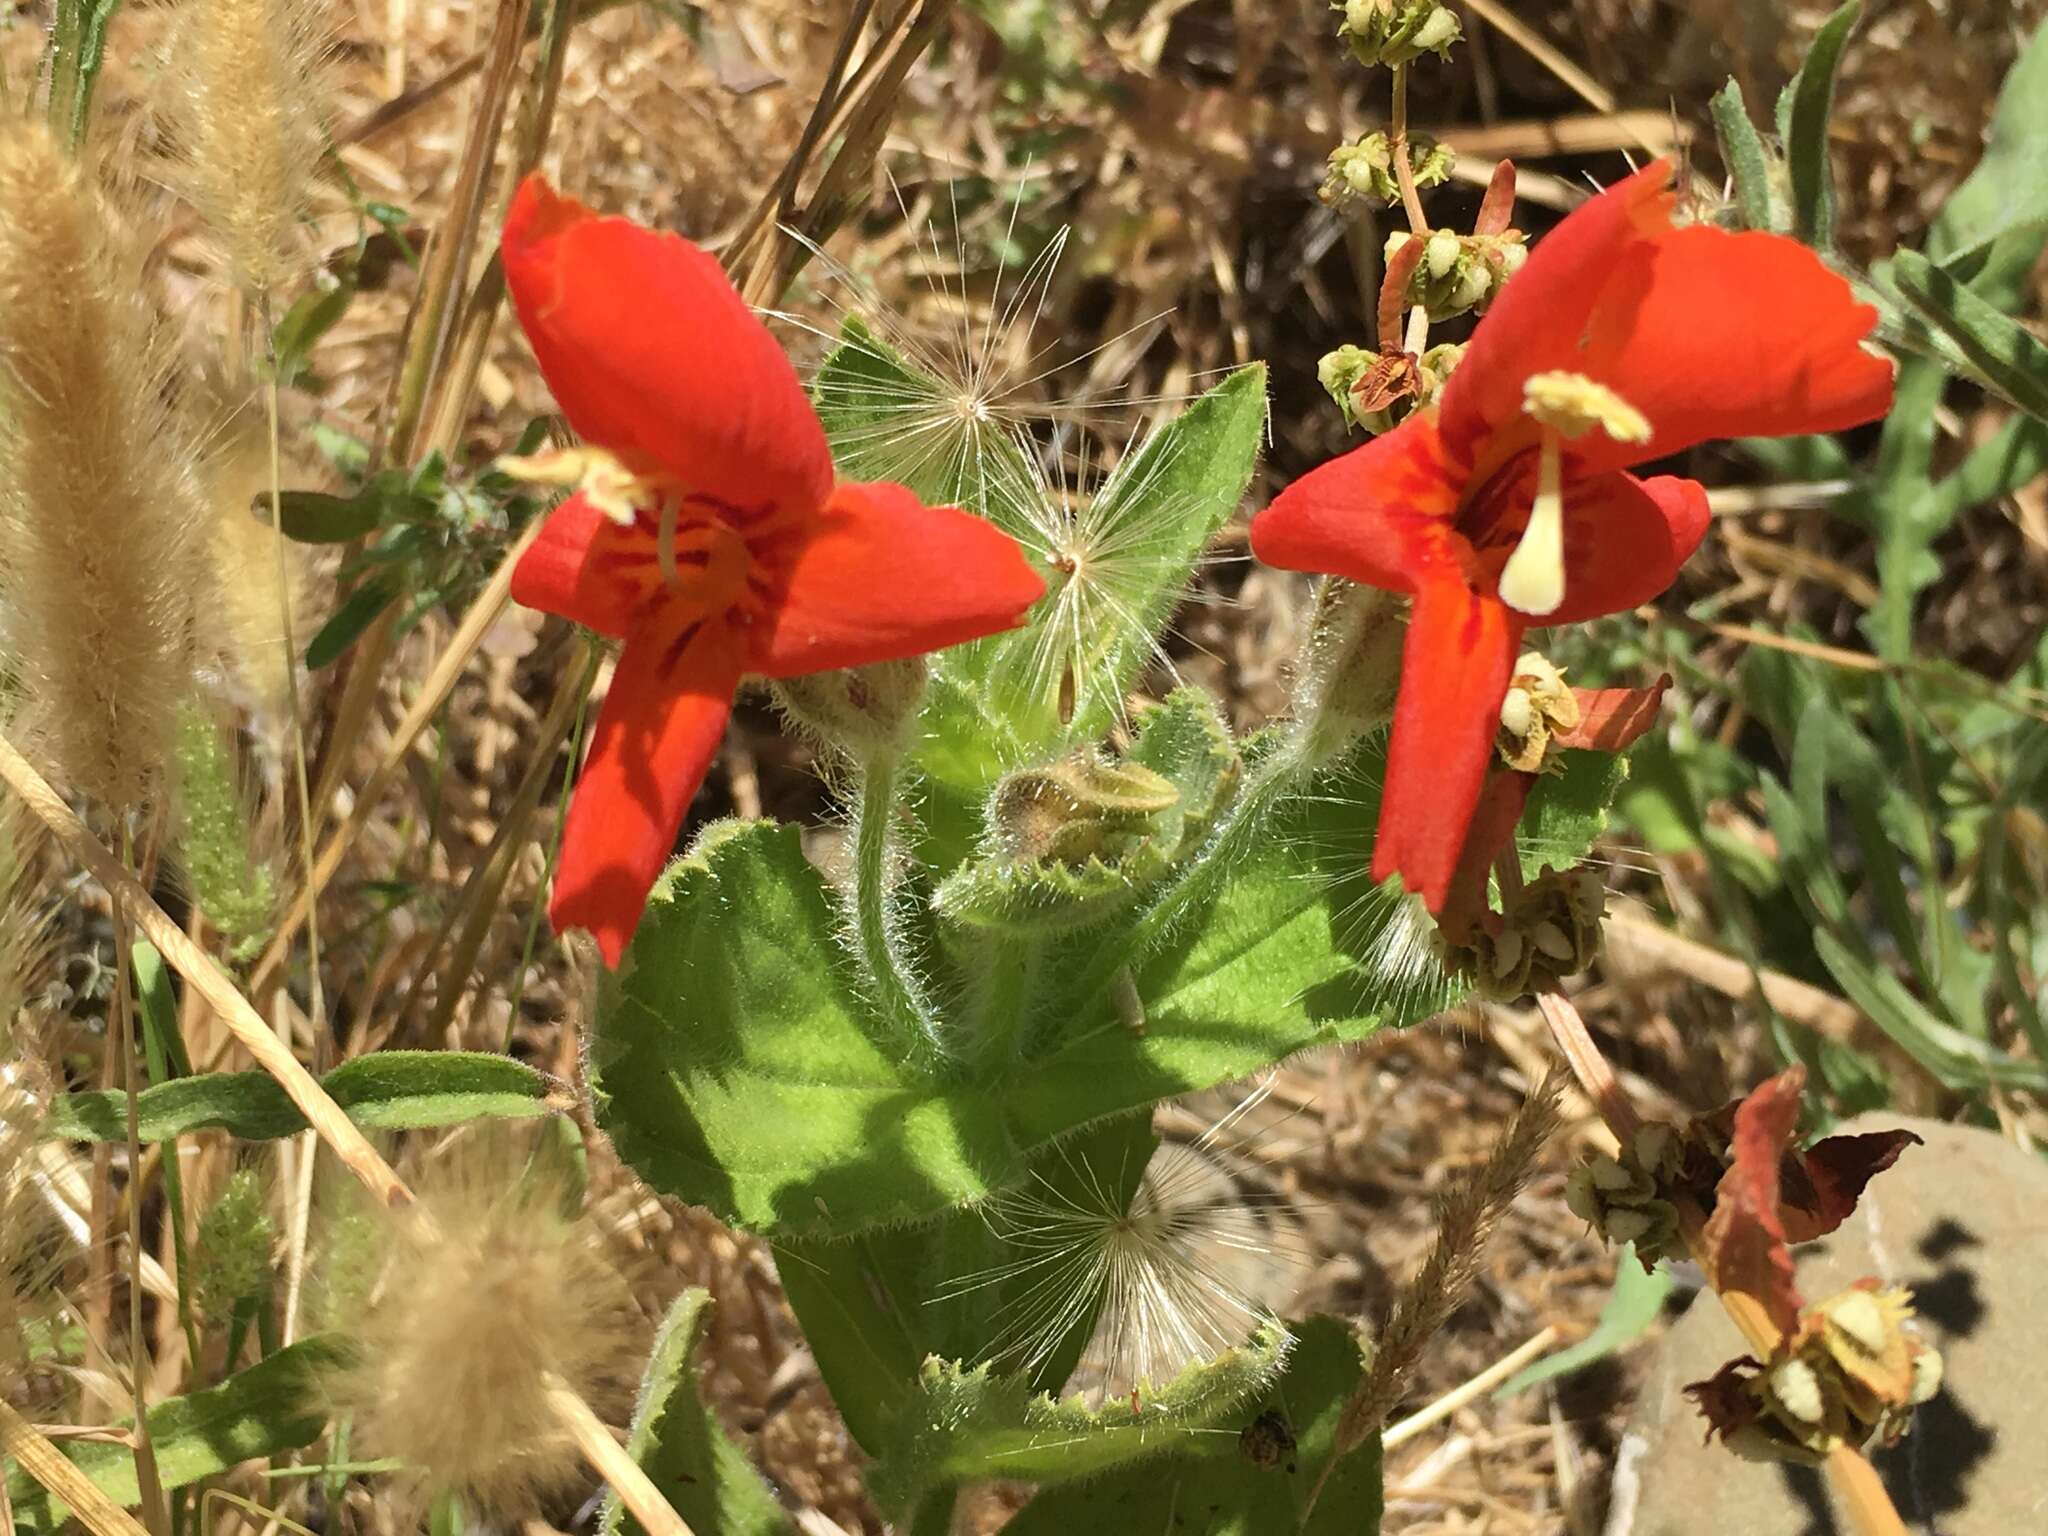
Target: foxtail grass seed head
x,y
245,626
101,519
231,1256
247,122
486,1292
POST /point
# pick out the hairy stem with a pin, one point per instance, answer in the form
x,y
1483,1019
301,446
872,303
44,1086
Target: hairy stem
x,y
877,932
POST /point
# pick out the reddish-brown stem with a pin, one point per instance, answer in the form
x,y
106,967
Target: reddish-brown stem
x,y
1397,146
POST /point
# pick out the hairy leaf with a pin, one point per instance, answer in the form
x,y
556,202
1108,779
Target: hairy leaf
x,y
1257,1481
390,1091
1809,102
1742,152
278,1405
682,1448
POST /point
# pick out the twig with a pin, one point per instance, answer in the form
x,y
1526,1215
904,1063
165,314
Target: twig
x,y
1477,1387
609,1459
49,1466
206,978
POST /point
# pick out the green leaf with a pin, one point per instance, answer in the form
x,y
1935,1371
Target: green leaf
x,y
1245,1484
1568,810
314,517
311,317
2006,196
682,1448
276,1406
1811,98
971,1424
1742,151
388,1091
775,1097
356,614
1636,1302
2002,355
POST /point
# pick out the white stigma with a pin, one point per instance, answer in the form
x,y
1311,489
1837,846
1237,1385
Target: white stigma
x,y
1532,581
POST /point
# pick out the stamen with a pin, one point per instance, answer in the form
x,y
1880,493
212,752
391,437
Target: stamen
x,y
1532,581
665,541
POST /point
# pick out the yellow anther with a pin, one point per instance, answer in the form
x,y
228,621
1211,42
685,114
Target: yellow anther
x,y
605,483
1570,404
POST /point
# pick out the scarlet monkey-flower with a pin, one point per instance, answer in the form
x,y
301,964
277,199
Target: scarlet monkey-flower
x,y
1507,505
709,532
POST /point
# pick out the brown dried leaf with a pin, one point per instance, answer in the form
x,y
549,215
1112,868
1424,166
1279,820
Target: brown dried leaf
x,y
1745,1248
1613,719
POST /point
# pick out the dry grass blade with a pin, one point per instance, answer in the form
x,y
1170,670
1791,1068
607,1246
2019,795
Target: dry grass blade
x,y
55,1471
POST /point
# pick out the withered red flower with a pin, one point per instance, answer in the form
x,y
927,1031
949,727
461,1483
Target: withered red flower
x,y
709,533
1624,339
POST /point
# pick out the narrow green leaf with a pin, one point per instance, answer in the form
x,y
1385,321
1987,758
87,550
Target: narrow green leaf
x,y
1956,1059
1742,151
1996,467
970,1424
277,1406
311,317
1257,1481
683,1449
390,1091
1636,1302
2003,355
1812,98
2007,194
78,45
314,517
356,614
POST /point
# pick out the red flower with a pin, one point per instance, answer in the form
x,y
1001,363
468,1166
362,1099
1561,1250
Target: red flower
x,y
709,535
1622,340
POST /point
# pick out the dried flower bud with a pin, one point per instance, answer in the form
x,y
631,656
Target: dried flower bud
x,y
1077,809
1850,1371
1550,930
1365,170
1396,31
1628,1199
861,711
1460,272
1537,707
1367,385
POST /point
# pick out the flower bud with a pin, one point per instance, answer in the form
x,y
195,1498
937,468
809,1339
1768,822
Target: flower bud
x,y
1354,665
1077,809
1365,170
1396,31
861,711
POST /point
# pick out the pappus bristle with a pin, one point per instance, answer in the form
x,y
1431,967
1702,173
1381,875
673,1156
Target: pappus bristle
x,y
248,125
1191,1266
487,1296
103,524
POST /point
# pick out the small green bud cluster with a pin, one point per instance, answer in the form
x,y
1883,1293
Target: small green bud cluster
x,y
1551,930
231,1256
1367,385
1365,170
1078,809
1459,272
1396,31
1849,1373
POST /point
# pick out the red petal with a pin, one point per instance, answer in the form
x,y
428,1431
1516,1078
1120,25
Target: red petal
x,y
1454,672
654,739
568,570
1379,514
1709,333
1624,541
881,575
1745,1239
1613,719
1837,1169
652,355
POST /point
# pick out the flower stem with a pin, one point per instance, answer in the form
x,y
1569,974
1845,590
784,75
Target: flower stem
x,y
1397,143
876,930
